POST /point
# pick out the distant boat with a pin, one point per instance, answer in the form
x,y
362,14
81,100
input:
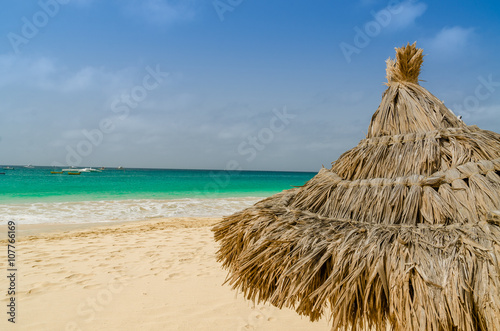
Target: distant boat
x,y
73,173
2,173
8,168
102,168
80,170
56,172
88,170
76,170
120,168
29,166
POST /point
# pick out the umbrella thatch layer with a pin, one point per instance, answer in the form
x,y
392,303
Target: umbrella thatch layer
x,y
404,229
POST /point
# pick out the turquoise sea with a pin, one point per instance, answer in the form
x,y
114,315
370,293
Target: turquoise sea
x,y
35,195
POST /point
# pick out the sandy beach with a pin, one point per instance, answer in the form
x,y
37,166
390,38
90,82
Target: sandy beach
x,y
149,275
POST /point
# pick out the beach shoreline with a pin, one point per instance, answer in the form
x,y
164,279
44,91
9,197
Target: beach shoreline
x,y
120,211
27,230
38,230
158,274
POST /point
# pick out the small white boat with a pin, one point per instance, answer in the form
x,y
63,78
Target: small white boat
x,y
89,170
8,168
29,166
75,170
81,170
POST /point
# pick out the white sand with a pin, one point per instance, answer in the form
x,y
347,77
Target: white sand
x,y
151,275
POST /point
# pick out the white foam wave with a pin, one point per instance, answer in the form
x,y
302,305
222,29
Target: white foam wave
x,y
122,210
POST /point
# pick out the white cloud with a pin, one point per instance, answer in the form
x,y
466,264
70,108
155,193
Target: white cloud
x,y
405,14
48,74
16,70
81,3
71,134
450,40
81,80
366,3
162,12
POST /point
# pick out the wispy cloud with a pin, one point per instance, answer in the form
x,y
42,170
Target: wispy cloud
x,y
365,3
82,3
450,40
27,72
162,12
406,13
44,73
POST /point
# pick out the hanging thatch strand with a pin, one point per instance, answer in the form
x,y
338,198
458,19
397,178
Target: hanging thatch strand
x,y
403,230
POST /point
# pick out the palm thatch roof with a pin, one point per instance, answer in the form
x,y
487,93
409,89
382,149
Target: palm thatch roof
x,y
402,231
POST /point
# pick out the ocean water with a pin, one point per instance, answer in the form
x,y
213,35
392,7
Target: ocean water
x,y
34,195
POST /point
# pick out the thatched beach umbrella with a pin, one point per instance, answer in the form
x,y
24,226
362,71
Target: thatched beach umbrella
x,y
404,228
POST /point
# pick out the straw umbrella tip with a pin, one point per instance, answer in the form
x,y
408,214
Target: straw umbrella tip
x,y
405,68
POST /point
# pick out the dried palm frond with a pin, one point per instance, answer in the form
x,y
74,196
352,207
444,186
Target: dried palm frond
x,y
402,231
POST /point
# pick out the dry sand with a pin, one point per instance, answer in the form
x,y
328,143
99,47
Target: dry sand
x,y
149,275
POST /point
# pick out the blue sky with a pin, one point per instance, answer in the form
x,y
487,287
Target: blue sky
x,y
256,85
